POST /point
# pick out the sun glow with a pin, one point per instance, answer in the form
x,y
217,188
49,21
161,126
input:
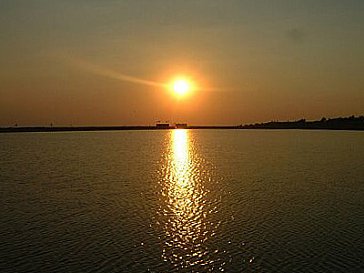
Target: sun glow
x,y
181,86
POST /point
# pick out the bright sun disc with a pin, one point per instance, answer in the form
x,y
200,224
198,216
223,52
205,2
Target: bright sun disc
x,y
181,87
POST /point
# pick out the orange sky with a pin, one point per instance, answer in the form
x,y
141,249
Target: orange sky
x,y
105,62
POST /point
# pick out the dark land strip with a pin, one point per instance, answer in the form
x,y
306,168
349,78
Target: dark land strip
x,y
342,123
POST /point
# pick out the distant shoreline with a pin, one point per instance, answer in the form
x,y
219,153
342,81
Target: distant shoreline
x,y
351,123
102,128
148,128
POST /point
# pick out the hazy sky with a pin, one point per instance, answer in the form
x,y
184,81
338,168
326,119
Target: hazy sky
x,y
256,60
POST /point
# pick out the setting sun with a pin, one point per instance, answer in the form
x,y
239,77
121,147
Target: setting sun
x,y
181,86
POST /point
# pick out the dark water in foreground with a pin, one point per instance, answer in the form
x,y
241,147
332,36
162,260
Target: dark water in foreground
x,y
182,201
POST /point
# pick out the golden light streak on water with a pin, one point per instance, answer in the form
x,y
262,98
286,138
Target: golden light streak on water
x,y
184,212
180,154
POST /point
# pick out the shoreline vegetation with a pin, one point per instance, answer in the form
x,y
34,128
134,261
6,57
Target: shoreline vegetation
x,y
341,123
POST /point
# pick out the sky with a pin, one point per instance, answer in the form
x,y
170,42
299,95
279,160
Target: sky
x,y
93,62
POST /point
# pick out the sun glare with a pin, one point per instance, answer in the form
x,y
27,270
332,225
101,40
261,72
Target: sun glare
x,y
181,87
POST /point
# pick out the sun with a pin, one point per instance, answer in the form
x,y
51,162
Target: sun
x,y
181,87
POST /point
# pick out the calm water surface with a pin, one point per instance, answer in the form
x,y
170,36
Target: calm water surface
x,y
182,201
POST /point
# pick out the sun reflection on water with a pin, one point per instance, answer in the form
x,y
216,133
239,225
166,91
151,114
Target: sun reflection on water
x,y
180,155
185,215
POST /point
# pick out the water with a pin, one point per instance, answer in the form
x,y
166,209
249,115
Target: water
x,y
182,201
